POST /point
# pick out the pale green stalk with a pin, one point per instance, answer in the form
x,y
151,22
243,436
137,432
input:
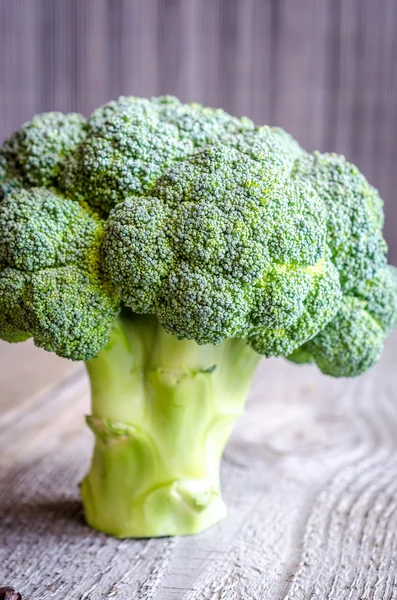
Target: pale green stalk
x,y
162,412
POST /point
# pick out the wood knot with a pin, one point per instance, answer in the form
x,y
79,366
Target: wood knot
x,y
8,593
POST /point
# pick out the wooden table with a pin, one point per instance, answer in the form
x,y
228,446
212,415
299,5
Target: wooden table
x,y
310,478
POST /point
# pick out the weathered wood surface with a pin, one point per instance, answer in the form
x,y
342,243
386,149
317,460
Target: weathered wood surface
x,y
310,478
325,70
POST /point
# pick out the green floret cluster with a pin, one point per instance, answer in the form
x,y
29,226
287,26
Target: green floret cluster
x,y
271,144
131,141
353,340
355,215
33,155
220,228
51,286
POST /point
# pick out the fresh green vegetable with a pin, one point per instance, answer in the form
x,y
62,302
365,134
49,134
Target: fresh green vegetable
x,y
225,247
352,341
170,246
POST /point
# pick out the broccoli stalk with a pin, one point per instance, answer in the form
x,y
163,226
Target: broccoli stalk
x,y
162,412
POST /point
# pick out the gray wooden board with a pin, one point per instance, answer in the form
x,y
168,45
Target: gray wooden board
x,y
310,478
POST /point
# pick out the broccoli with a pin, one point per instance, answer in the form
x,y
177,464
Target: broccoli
x,y
170,246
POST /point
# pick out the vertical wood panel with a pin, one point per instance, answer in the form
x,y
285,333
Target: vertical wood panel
x,y
96,68
325,70
18,65
228,54
145,49
261,61
207,26
114,46
169,35
298,66
364,119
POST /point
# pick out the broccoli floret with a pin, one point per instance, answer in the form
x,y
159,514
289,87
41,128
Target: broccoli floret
x,y
200,125
350,344
14,320
51,285
353,340
33,155
123,157
271,144
311,312
355,215
225,247
380,297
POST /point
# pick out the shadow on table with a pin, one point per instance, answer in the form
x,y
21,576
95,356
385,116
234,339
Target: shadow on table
x,y
47,550
53,511
41,498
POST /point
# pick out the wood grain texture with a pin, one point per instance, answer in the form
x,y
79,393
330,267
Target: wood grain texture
x,y
310,478
323,69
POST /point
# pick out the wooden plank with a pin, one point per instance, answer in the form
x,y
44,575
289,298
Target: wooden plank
x,y
309,477
299,100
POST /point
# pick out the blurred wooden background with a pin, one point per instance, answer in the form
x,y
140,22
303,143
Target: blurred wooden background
x,y
326,70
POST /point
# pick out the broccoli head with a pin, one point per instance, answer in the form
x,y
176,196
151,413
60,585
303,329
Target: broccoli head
x,y
51,285
221,228
33,155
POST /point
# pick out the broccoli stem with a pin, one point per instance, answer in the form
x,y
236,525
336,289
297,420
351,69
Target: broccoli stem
x,y
162,412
